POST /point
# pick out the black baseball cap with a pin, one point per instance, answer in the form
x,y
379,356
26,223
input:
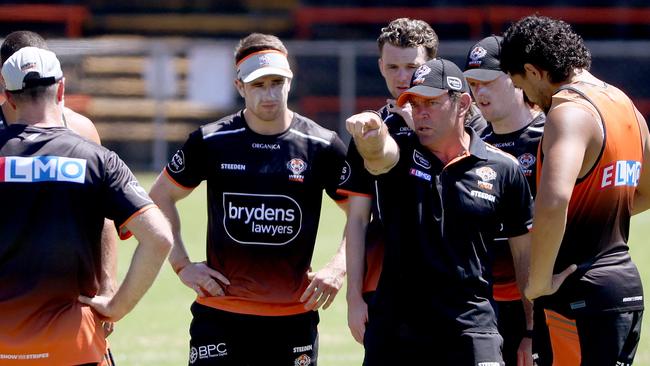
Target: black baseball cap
x,y
484,60
433,79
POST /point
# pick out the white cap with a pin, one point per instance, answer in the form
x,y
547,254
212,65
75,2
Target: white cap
x,y
262,63
30,67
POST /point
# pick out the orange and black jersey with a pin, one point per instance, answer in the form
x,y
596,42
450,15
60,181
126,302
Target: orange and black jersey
x,y
437,223
56,188
522,144
598,218
264,202
358,181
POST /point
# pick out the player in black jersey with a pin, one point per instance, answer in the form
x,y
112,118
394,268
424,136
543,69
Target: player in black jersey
x,y
443,192
85,128
404,45
57,188
266,168
516,128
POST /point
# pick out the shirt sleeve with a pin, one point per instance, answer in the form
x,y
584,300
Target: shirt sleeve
x,y
517,210
187,167
355,179
335,167
123,195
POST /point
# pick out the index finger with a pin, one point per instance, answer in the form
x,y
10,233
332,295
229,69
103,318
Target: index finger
x,y
315,300
310,289
353,123
373,121
218,275
330,300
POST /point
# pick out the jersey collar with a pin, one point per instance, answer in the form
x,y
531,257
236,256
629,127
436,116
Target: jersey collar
x,y
476,145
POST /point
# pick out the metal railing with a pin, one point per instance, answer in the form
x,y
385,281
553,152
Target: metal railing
x,y
333,69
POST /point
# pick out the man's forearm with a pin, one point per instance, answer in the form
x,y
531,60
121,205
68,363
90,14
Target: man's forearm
x,y
155,241
108,274
520,248
178,257
338,260
379,159
355,255
163,194
377,148
548,230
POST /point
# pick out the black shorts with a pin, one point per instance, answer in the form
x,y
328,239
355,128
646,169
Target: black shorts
x,y
512,327
368,297
387,345
223,338
542,351
609,338
605,338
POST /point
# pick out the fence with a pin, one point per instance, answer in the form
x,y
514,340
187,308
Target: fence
x,y
141,93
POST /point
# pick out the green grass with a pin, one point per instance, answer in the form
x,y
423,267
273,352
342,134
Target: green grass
x,y
156,332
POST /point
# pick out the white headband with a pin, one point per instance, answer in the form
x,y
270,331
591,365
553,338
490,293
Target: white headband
x,y
267,62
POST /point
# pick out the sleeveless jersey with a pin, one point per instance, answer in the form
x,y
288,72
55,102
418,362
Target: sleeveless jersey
x,y
599,211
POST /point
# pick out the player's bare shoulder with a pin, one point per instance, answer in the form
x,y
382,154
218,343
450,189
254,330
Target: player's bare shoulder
x,y
82,125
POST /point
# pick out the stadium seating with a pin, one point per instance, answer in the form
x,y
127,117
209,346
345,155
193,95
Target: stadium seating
x,y
477,20
72,16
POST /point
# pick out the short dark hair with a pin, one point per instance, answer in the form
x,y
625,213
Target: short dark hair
x,y
406,33
34,94
256,42
20,39
547,43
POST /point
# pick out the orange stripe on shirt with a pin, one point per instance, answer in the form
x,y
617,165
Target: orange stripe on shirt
x,y
506,291
242,305
171,179
125,234
352,193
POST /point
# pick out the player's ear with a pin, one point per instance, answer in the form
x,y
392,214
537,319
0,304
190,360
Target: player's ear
x,y
10,100
239,85
464,103
60,90
532,71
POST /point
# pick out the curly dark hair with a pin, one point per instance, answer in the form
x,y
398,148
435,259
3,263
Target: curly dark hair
x,y
547,43
405,32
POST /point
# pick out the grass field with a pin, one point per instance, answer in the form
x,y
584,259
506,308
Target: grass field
x,y
156,332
